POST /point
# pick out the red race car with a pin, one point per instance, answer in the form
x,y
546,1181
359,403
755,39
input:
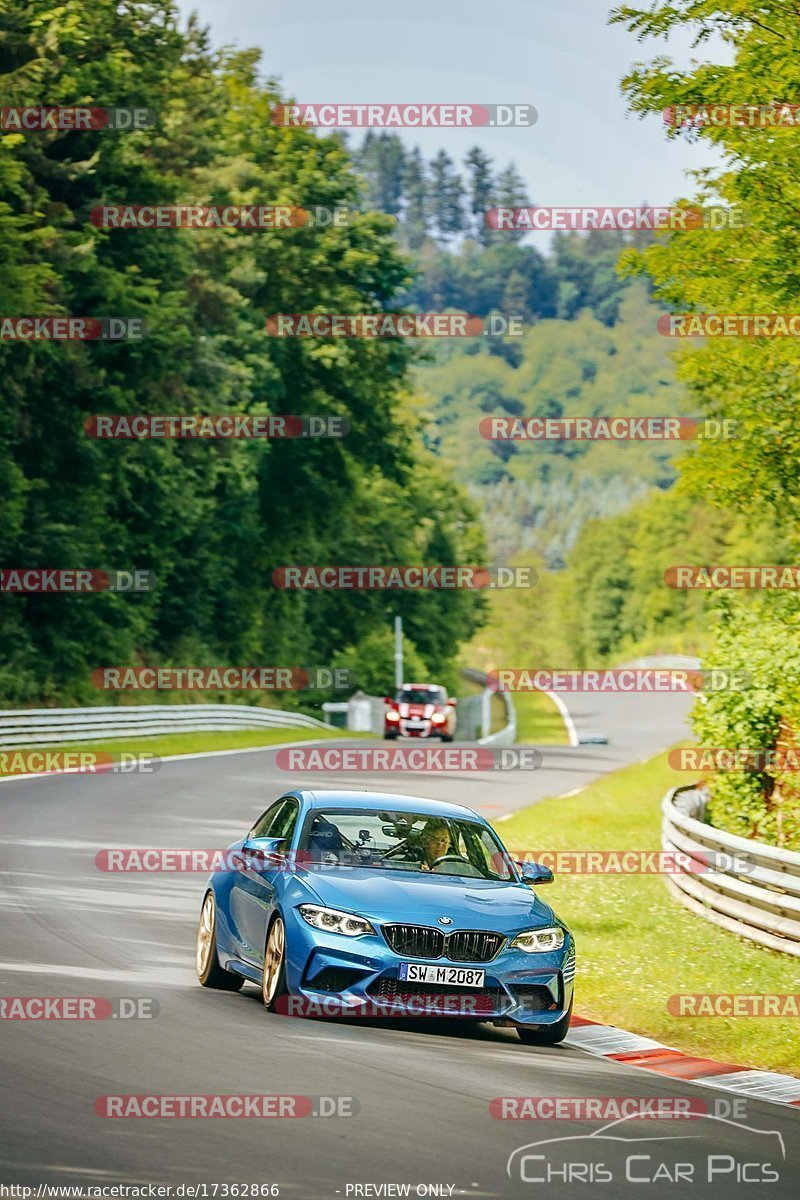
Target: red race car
x,y
420,710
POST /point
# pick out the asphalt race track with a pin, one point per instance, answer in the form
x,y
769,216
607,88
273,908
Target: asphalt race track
x,y
422,1088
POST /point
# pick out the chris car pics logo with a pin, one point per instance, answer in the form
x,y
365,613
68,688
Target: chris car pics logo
x,y
724,1152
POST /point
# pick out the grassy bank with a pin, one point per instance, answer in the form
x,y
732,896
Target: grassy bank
x,y
184,743
538,720
637,946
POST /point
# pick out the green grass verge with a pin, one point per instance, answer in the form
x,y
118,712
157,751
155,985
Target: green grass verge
x,y
187,743
538,720
637,946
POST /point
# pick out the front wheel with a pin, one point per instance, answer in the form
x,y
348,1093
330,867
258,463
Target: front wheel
x,y
273,983
209,972
390,737
546,1035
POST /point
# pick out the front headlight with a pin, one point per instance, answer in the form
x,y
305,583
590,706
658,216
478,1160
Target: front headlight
x,y
333,921
533,940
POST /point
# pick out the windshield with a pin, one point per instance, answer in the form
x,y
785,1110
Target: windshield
x,y
403,841
431,695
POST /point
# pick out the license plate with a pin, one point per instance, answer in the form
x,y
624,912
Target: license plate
x,y
462,976
415,724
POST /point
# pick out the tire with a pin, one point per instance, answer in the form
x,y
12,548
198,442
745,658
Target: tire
x,y
447,737
273,979
546,1035
209,972
390,737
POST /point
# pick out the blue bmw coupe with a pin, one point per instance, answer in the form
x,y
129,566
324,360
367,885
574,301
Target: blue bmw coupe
x,y
388,905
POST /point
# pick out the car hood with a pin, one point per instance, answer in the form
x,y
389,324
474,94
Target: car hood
x,y
419,898
419,711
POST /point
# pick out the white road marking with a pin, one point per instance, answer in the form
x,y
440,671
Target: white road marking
x,y
179,977
566,718
164,759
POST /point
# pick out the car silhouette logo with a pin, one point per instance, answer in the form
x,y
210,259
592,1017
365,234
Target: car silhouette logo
x,y
445,921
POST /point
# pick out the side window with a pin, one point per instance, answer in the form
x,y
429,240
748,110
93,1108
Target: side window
x,y
263,825
285,821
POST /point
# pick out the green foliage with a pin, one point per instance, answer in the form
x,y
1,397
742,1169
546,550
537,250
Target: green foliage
x,y
752,381
536,496
524,626
430,200
751,270
211,519
620,602
461,262
763,640
371,660
446,194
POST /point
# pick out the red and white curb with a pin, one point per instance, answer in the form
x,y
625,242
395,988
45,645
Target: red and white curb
x,y
632,1050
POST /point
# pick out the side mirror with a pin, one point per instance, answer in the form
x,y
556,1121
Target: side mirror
x,y
388,700
452,702
534,873
270,851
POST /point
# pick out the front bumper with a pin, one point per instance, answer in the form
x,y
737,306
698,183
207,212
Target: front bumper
x,y
361,975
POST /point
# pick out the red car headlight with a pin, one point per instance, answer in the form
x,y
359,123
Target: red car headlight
x,y
438,719
392,715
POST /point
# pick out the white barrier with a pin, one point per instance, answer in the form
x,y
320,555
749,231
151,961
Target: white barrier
x,y
50,726
507,736
742,885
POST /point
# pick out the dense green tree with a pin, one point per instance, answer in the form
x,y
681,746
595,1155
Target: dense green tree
x,y
480,177
211,519
749,269
382,162
446,197
536,495
510,192
417,205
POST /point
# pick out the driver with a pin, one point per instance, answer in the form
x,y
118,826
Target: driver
x,y
433,841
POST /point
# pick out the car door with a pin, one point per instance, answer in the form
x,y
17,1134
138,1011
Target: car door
x,y
253,893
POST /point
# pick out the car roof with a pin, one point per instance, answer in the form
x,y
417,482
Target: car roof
x,y
367,799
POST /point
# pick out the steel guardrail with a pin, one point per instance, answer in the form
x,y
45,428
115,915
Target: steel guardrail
x,y
745,886
51,726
